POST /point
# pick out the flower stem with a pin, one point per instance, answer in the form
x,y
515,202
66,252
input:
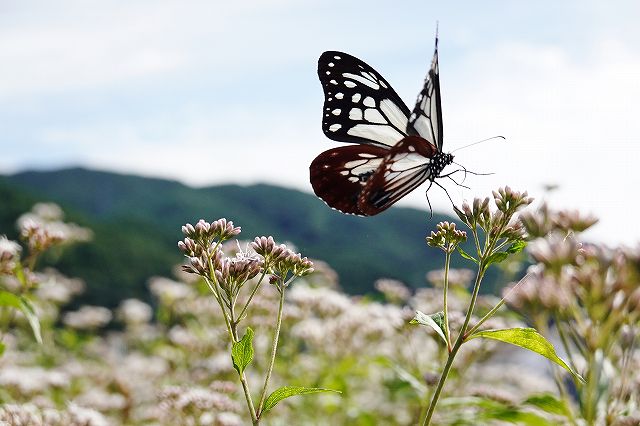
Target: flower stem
x,y
232,328
274,348
447,261
456,346
253,292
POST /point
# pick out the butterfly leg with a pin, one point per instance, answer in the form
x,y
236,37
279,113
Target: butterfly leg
x,y
428,201
446,192
456,182
456,171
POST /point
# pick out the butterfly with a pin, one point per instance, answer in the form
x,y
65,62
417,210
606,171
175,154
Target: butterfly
x,y
393,150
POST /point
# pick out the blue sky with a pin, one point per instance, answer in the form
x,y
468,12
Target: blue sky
x,y
207,92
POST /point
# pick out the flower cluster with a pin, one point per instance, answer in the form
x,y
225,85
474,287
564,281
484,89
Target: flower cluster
x,y
280,260
545,221
9,254
447,237
39,238
201,245
43,227
497,224
205,232
232,273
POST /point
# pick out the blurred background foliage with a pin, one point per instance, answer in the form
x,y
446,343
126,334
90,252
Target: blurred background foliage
x,y
136,223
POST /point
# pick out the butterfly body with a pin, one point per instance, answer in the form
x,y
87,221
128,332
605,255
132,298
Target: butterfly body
x,y
393,150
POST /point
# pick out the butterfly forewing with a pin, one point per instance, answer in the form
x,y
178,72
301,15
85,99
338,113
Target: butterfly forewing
x,y
339,175
426,118
360,106
404,168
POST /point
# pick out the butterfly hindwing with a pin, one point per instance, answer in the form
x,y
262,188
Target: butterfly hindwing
x,y
338,175
360,105
426,118
404,168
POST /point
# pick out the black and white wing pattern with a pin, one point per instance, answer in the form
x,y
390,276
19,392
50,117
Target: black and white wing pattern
x,y
426,118
359,106
394,150
339,175
405,167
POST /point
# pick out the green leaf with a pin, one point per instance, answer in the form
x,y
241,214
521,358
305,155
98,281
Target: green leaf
x,y
22,304
548,403
435,321
242,351
2,348
287,391
517,247
9,299
415,383
497,257
527,338
27,309
466,255
516,416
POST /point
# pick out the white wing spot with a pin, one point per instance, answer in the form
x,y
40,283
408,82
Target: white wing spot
x,y
333,82
336,111
370,76
361,79
335,127
331,64
337,57
354,163
353,179
365,155
355,114
384,134
349,84
344,172
328,72
356,98
374,116
339,95
395,114
369,101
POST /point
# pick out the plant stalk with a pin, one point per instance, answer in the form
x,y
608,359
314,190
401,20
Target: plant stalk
x,y
447,261
274,348
456,346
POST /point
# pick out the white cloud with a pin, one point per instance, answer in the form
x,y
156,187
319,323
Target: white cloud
x,y
206,91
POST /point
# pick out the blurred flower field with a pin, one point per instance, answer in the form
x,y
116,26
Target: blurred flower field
x,y
170,363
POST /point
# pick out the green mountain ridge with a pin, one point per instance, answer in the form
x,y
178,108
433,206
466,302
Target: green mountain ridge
x,y
137,220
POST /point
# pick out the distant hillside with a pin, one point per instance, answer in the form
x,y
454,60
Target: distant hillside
x,y
137,222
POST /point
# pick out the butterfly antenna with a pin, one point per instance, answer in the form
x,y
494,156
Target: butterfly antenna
x,y
476,143
470,172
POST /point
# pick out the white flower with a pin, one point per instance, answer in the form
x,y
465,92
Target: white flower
x,y
169,291
88,318
134,312
86,416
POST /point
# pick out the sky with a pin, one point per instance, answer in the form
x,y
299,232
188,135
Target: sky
x,y
210,92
